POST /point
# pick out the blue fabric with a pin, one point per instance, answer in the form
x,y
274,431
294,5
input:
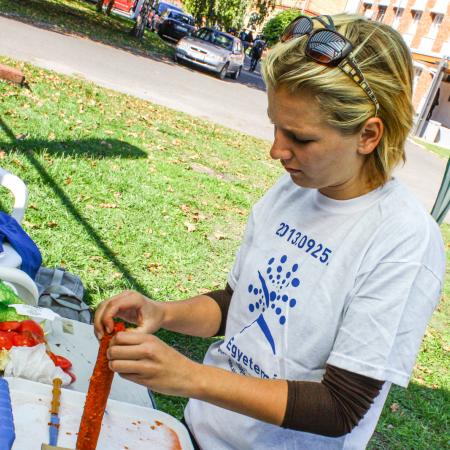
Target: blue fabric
x,y
11,231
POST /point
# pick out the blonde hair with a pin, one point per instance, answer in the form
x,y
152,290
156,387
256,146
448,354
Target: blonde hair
x,y
386,63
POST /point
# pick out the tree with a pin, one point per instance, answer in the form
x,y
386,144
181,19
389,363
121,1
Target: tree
x,y
275,26
229,13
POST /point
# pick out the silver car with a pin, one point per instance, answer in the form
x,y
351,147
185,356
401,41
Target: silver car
x,y
219,52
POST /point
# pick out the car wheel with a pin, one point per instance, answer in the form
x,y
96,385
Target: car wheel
x,y
223,72
175,58
237,73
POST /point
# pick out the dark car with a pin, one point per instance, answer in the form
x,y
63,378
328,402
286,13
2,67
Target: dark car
x,y
158,10
175,25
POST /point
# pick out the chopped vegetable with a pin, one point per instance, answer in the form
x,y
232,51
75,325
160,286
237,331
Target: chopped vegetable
x,y
9,297
9,326
97,396
32,329
6,341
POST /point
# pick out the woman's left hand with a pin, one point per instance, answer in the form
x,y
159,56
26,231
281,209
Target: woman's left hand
x,y
147,360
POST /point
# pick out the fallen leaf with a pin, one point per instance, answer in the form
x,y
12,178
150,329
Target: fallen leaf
x,y
153,267
394,407
190,227
68,180
108,205
52,224
185,208
181,287
117,275
28,224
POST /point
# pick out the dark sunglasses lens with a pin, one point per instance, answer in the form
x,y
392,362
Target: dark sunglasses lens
x,y
298,27
326,46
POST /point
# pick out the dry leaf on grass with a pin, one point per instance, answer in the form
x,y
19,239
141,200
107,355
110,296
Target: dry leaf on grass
x,y
190,227
108,205
394,407
154,267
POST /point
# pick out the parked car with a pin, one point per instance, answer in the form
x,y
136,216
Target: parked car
x,y
136,10
214,50
175,25
158,10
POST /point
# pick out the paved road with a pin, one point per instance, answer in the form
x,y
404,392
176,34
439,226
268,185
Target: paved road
x,y
239,105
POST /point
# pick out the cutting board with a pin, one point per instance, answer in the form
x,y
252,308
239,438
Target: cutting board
x,y
125,426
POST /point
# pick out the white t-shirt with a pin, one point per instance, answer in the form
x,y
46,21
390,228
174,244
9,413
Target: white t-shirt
x,y
351,283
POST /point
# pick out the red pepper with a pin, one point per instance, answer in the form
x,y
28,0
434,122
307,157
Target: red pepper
x,y
97,396
60,361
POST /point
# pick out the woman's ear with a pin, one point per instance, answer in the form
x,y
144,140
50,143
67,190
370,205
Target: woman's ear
x,y
370,135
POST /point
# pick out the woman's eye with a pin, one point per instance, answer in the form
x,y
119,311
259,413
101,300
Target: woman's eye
x,y
302,141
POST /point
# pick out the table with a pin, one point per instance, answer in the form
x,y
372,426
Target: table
x,y
77,342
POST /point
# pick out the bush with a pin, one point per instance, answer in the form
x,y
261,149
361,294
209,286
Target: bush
x,y
275,26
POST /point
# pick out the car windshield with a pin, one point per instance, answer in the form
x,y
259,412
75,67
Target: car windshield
x,y
181,18
222,40
166,6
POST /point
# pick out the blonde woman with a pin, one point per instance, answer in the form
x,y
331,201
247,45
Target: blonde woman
x,y
339,270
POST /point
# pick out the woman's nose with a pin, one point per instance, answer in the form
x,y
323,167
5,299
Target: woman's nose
x,y
281,147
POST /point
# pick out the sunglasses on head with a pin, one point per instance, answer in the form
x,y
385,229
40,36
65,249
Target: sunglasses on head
x,y
327,46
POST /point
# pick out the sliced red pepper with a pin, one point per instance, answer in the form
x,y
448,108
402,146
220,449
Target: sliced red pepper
x,y
62,362
72,376
97,396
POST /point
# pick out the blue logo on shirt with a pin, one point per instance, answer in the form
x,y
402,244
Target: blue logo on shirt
x,y
271,297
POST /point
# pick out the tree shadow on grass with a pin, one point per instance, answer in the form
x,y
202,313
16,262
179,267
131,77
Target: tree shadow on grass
x,y
111,30
109,148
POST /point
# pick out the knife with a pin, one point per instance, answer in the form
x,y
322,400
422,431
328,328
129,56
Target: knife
x,y
53,426
7,432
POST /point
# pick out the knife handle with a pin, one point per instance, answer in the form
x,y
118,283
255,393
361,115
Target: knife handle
x,y
7,433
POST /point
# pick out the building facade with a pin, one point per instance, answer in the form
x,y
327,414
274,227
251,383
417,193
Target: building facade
x,y
425,27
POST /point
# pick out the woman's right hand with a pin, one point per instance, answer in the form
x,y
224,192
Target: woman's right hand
x,y
132,307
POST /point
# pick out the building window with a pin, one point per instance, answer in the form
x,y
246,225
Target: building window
x,y
368,12
397,17
434,29
409,35
381,13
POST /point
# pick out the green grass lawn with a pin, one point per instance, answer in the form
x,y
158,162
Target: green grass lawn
x,y
80,17
127,194
441,151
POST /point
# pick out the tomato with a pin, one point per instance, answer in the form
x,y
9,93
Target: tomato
x,y
31,327
5,340
9,326
21,340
